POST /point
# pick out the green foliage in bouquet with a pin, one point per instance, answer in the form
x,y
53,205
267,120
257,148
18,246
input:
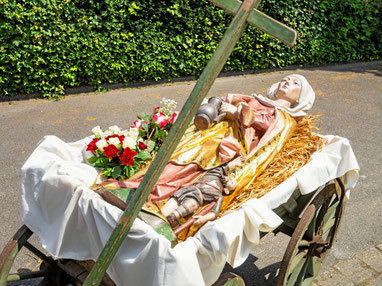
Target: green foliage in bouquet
x,y
121,153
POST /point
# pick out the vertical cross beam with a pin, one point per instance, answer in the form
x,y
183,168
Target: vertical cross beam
x,y
207,78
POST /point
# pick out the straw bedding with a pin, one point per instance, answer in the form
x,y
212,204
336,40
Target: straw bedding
x,y
295,154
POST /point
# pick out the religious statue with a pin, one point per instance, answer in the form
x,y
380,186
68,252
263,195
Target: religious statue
x,y
252,127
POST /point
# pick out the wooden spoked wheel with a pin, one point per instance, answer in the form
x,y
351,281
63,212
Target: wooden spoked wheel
x,y
8,255
312,239
60,272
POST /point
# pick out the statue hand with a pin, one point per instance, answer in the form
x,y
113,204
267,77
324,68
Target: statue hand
x,y
199,220
202,219
238,162
230,110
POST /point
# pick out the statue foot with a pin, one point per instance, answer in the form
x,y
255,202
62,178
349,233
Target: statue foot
x,y
172,221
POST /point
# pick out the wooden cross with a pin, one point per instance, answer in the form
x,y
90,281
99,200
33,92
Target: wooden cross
x,y
245,13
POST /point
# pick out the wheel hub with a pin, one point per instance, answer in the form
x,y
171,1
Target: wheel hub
x,y
318,246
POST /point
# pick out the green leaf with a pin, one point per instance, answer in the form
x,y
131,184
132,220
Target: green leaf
x,y
116,172
150,145
129,171
145,126
144,155
107,172
162,133
92,160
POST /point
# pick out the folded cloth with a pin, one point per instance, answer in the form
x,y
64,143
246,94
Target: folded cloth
x,y
74,222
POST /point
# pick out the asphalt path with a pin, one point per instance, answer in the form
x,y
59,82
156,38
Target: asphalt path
x,y
349,98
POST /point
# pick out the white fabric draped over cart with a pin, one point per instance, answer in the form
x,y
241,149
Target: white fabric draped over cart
x,y
74,222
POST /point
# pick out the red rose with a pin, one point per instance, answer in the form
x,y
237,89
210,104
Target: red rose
x,y
161,119
111,151
142,145
173,117
121,138
127,157
92,145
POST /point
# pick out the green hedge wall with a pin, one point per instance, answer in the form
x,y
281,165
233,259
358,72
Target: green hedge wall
x,y
49,45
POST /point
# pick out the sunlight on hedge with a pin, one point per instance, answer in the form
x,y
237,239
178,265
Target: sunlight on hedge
x,y
49,45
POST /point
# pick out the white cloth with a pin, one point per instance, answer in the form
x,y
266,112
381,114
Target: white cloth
x,y
305,100
74,222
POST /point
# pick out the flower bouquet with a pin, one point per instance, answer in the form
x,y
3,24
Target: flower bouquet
x,y
121,153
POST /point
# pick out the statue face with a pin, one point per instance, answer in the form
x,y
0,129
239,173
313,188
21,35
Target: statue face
x,y
289,89
231,186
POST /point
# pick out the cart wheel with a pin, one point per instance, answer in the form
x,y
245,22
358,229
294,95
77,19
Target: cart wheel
x,y
312,238
10,252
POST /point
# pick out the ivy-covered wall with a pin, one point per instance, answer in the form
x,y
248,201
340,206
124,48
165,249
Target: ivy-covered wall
x,y
49,45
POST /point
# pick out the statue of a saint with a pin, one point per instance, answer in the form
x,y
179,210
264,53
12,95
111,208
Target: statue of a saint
x,y
254,127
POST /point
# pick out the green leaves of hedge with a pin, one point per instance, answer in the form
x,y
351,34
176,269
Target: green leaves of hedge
x,y
49,45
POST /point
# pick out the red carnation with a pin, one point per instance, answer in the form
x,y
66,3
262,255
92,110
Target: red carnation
x,y
160,119
174,117
92,145
127,157
138,123
111,151
156,108
142,145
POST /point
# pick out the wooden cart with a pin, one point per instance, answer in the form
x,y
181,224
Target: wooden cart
x,y
311,236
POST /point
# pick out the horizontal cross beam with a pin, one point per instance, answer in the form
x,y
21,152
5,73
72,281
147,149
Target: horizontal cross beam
x,y
261,21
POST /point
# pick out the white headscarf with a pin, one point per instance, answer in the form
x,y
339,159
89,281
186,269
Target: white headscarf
x,y
305,100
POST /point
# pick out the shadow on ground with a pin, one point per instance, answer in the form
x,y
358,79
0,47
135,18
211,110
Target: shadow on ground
x,y
252,275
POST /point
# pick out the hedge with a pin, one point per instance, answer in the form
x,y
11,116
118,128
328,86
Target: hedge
x,y
49,45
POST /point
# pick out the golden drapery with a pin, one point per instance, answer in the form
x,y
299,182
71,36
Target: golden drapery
x,y
256,164
202,147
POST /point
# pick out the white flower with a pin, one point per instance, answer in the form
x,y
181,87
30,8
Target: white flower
x,y
129,142
97,131
114,129
122,132
115,141
169,104
101,144
134,131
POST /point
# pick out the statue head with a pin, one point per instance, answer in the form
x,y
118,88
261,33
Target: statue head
x,y
230,186
288,91
293,94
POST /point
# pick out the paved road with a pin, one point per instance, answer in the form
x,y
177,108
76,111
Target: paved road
x,y
348,96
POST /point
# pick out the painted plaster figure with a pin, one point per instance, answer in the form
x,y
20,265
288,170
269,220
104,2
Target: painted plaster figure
x,y
250,122
249,112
